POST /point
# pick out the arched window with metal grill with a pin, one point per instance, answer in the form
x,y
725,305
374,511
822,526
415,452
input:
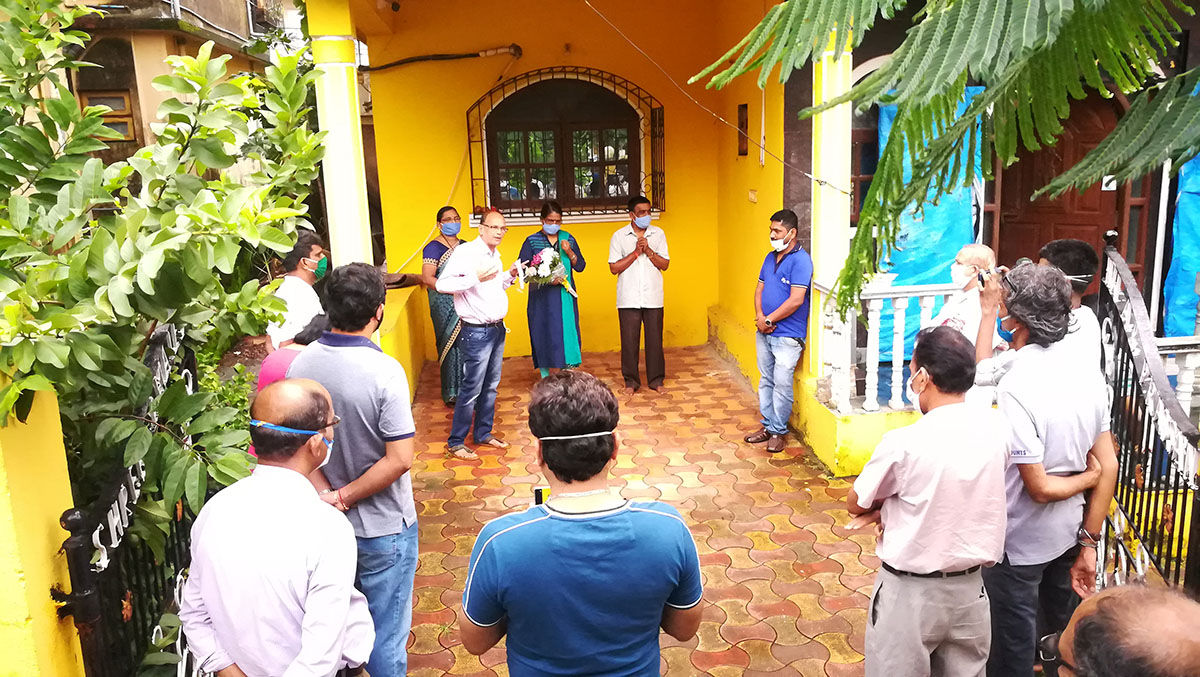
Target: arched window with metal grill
x,y
583,137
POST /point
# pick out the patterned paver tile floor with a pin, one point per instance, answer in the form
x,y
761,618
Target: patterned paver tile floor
x,y
785,587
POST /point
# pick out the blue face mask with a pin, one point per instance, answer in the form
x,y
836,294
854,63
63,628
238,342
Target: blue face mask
x,y
451,228
642,222
1004,333
551,228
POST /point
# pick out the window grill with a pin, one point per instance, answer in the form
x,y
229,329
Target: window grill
x,y
551,160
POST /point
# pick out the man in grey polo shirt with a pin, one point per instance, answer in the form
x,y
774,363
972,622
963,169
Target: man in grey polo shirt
x,y
368,477
1059,448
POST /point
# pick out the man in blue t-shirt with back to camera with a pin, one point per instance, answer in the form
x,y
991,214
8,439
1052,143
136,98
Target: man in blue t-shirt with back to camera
x,y
582,583
781,320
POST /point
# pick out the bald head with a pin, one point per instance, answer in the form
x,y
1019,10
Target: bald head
x,y
1134,630
297,403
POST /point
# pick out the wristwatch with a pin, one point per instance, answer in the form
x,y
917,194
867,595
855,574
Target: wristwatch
x,y
768,322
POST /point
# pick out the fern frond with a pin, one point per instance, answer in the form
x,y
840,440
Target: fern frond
x,y
793,31
1162,123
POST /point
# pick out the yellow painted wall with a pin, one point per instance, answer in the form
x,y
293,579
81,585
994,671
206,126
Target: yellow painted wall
x,y
420,123
742,240
34,492
407,333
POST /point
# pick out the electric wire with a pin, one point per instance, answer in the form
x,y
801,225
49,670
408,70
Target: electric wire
x,y
706,109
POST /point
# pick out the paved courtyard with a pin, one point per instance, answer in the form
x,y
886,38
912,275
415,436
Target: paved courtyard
x,y
785,587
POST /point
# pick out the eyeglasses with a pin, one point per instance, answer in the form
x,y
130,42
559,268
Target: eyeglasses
x,y
336,420
498,229
1048,653
552,221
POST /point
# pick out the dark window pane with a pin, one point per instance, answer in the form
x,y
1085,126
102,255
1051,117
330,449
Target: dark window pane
x,y
616,144
1136,187
868,157
541,147
510,148
114,101
513,183
587,182
120,126
616,180
543,185
1135,223
586,144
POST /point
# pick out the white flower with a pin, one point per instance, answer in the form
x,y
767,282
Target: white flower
x,y
544,269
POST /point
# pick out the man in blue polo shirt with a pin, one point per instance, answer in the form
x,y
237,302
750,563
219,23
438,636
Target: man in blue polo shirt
x,y
781,319
582,583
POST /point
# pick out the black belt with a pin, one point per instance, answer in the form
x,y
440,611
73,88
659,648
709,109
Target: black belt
x,y
933,574
497,323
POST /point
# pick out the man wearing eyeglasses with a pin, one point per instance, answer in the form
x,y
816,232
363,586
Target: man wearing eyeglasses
x,y
369,480
271,587
476,277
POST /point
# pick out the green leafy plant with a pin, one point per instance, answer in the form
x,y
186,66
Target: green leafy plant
x,y
93,259
1030,56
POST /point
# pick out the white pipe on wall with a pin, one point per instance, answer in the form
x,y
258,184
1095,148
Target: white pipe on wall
x,y
1160,242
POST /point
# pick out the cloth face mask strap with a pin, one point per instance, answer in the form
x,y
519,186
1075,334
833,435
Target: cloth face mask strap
x,y
576,437
283,429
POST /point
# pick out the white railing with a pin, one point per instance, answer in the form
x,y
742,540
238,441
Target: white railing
x,y
1181,358
845,351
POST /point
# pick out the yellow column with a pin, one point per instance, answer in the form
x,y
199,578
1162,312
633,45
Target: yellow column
x,y
338,112
34,492
830,205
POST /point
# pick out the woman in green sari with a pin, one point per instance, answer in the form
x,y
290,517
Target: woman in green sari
x,y
441,306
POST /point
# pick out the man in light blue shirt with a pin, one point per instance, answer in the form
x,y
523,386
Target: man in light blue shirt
x,y
781,305
581,584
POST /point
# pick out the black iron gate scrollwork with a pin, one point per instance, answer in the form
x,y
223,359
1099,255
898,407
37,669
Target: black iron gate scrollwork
x,y
1155,515
119,589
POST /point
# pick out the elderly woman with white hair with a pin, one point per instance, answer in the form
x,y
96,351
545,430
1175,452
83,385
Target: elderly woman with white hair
x,y
1059,448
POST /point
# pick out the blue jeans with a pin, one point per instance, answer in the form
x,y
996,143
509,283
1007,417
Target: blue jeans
x,y
482,350
386,566
777,358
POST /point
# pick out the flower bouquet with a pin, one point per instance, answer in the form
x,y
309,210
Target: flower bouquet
x,y
546,268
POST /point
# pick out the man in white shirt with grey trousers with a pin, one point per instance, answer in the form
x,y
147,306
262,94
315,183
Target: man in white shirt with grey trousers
x,y
271,591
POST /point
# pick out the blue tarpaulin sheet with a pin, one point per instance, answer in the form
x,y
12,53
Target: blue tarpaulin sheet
x,y
928,240
1179,287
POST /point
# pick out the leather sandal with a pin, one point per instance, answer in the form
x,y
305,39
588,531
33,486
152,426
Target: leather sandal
x,y
495,442
758,437
777,443
460,451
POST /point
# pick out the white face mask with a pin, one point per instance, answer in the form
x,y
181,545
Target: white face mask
x,y
961,274
328,452
912,394
780,245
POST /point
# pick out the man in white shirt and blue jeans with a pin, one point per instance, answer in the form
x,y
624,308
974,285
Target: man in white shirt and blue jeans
x,y
476,277
637,255
271,586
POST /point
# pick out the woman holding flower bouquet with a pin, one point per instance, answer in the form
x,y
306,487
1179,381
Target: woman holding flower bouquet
x,y
551,257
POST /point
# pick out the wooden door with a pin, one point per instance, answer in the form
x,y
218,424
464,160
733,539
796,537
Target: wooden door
x,y
1024,225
